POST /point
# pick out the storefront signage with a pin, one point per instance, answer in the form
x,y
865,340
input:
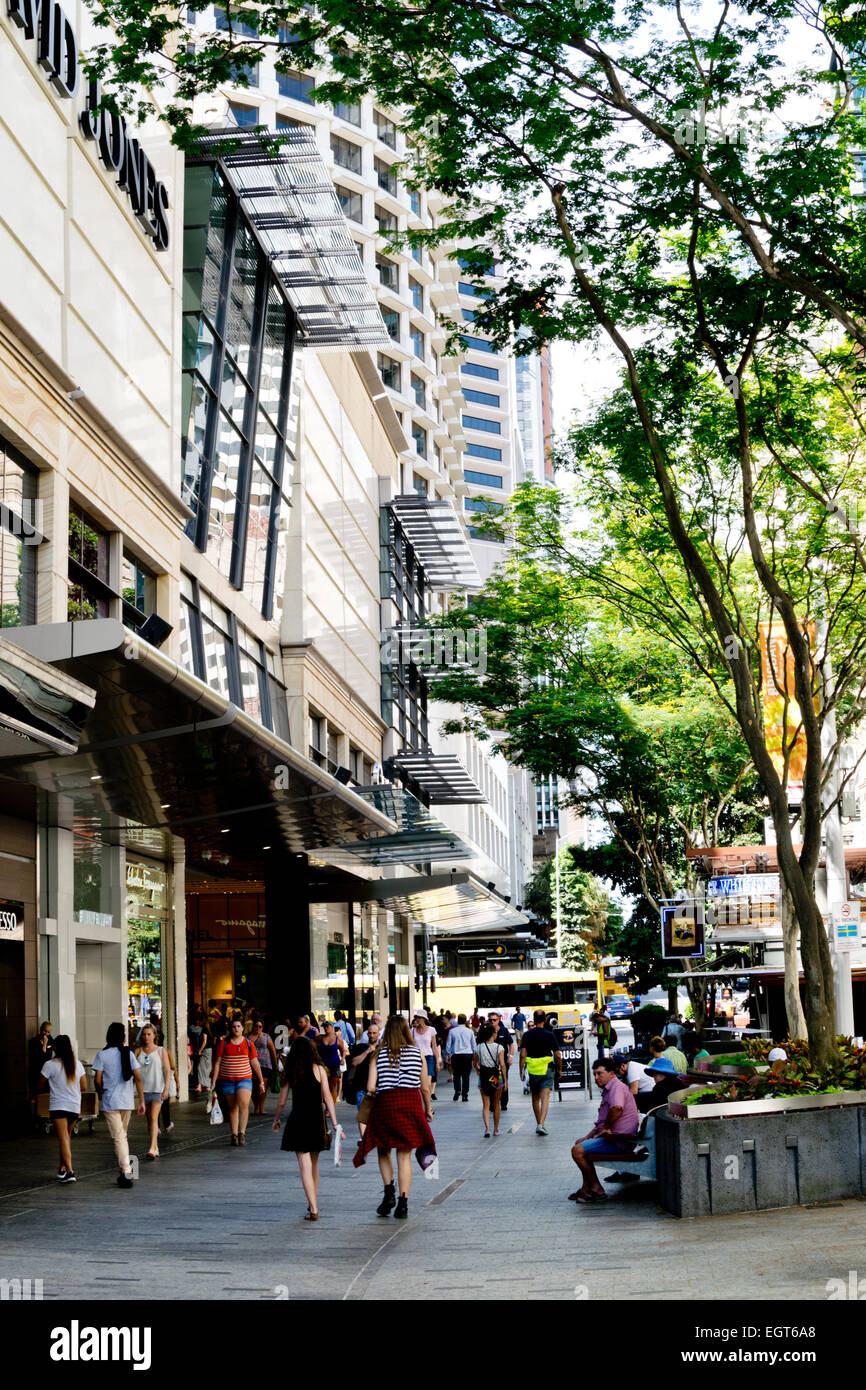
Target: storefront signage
x,y
743,885
11,920
120,152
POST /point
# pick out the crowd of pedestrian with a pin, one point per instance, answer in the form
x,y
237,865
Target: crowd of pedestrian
x,y
390,1073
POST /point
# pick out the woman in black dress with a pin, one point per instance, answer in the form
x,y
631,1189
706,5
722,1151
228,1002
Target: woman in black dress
x,y
304,1134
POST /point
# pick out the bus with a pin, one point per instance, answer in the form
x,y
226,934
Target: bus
x,y
612,979
567,992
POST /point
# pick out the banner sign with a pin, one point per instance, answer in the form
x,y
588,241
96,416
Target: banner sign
x,y
683,930
782,715
11,920
570,1042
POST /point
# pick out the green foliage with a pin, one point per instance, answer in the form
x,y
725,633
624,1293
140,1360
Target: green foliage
x,y
649,1018
583,906
798,1077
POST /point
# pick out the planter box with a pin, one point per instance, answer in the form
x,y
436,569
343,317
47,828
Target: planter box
x,y
773,1105
762,1154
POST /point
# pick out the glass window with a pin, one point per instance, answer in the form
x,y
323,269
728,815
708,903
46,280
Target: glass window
x,y
20,534
468,315
482,397
483,451
89,591
244,115
217,644
386,221
224,496
482,479
388,273
240,316
348,111
245,31
138,591
346,153
476,369
417,293
476,344
384,176
262,497
317,739
296,85
385,129
252,674
417,254
417,343
419,437
480,422
352,203
389,370
287,123
476,291
415,203
392,323
419,390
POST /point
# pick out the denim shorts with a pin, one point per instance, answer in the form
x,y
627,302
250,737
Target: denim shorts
x,y
229,1088
598,1148
541,1083
153,1097
431,1066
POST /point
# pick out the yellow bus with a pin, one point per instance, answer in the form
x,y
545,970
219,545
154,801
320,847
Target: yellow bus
x,y
555,991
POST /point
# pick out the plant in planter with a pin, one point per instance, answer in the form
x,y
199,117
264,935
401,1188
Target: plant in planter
x,y
847,1072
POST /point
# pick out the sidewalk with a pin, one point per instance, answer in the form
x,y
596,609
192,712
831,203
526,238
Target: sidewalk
x,y
212,1222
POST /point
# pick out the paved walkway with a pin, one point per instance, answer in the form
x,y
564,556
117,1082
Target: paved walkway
x,y
210,1221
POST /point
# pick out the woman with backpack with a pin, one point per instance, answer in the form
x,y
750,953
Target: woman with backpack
x,y
489,1062
63,1076
157,1068
115,1074
236,1067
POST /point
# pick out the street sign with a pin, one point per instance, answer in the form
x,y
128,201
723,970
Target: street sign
x,y
574,1058
846,926
743,885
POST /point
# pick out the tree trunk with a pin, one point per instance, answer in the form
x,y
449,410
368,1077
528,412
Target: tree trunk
x,y
697,992
673,1005
819,1004
793,1003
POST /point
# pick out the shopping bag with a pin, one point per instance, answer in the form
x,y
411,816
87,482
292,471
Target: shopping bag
x,y
432,1169
216,1115
339,1136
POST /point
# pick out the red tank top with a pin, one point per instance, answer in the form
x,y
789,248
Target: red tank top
x,y
235,1061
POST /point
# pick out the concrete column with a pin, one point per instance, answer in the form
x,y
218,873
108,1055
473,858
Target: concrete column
x,y
57,921
174,1004
287,937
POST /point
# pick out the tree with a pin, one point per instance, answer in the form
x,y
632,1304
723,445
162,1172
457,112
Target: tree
x,y
665,181
641,738
583,906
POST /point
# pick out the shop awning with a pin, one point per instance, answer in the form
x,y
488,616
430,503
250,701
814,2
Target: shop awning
x,y
434,531
286,191
460,908
163,749
420,838
441,777
42,711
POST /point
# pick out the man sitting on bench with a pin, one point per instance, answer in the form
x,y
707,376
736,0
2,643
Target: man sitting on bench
x,y
618,1119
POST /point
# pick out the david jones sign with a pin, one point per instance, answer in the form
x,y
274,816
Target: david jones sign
x,y
120,152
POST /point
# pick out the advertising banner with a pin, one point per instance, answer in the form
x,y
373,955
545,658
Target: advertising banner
x,y
683,930
574,1057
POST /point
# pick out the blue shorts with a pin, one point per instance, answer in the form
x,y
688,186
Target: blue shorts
x,y
360,1096
153,1097
431,1066
601,1147
229,1088
540,1083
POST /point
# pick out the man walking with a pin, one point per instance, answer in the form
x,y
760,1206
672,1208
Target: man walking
x,y
518,1023
460,1046
540,1059
344,1028
617,1116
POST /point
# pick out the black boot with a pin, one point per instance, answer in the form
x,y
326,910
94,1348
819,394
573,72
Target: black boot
x,y
388,1202
402,1208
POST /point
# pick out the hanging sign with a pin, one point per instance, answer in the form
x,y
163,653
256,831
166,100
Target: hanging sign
x,y
846,926
682,930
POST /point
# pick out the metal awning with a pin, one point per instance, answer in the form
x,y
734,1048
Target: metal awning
x,y
461,909
164,750
421,838
42,711
285,189
441,777
433,530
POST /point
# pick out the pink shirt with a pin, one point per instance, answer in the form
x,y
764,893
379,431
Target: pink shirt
x,y
617,1093
424,1041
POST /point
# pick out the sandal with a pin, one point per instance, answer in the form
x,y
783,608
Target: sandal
x,y
589,1199
311,1215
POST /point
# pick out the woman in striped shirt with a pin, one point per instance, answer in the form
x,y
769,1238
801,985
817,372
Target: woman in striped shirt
x,y
401,1109
236,1065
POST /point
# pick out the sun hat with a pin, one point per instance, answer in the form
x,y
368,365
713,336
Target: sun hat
x,y
662,1066
421,1013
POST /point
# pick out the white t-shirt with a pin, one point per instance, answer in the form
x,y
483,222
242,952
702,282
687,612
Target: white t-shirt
x,y
63,1094
117,1094
637,1072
